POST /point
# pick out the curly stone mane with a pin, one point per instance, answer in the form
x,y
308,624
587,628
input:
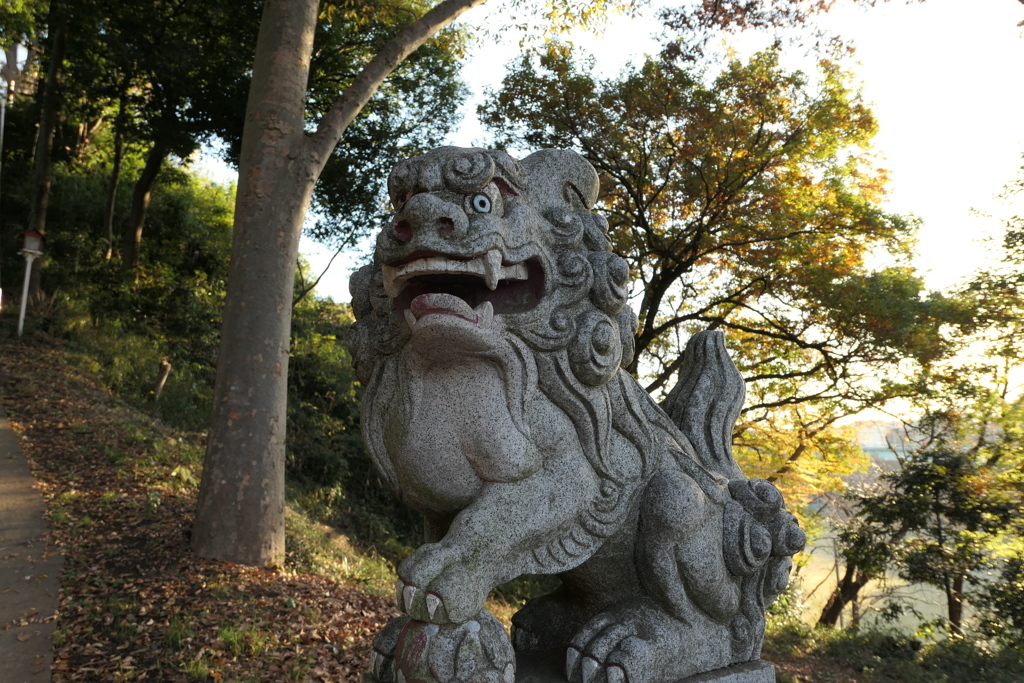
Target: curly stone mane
x,y
580,336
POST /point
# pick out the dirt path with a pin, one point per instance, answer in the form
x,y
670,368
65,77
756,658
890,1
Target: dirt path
x,y
30,569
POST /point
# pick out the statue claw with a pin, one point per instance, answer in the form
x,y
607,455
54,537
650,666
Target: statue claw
x,y
382,655
409,596
443,591
432,604
572,658
399,589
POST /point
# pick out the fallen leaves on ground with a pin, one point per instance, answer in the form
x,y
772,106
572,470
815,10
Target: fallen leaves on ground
x,y
135,603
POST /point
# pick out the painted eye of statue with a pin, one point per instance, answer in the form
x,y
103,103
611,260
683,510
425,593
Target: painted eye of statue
x,y
481,203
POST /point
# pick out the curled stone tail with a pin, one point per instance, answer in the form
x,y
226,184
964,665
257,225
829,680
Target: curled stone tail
x,y
707,401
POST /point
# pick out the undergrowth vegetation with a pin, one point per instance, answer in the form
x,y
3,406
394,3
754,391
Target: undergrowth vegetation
x,y
883,655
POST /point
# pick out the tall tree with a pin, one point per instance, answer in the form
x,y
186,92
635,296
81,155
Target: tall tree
x,y
240,516
746,202
57,23
20,21
933,520
171,72
410,113
180,68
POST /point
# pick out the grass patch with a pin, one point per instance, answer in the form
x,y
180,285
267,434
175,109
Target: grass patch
x,y
880,656
179,631
198,668
244,640
314,547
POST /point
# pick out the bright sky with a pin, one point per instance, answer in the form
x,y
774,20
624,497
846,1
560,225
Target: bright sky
x,y
942,77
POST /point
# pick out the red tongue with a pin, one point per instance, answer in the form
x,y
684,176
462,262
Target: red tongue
x,y
447,304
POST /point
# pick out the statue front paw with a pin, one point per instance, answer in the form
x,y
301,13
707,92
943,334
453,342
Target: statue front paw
x,y
477,651
435,586
382,656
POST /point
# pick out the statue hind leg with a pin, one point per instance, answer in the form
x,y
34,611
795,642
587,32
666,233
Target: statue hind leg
x,y
709,561
678,624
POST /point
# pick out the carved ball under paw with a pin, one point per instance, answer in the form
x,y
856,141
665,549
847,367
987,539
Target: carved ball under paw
x,y
477,651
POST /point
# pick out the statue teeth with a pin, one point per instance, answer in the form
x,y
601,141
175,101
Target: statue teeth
x,y
517,271
488,267
410,319
392,287
492,269
408,594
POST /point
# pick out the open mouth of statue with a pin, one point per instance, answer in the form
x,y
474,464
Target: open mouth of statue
x,y
473,289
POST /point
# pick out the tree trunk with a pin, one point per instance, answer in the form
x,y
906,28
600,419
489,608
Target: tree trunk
x,y
240,514
44,140
955,605
115,180
161,379
83,137
846,591
131,238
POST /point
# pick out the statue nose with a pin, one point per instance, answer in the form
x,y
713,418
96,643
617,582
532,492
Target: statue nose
x,y
425,215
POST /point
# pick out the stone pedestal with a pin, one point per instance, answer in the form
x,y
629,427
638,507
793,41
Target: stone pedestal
x,y
549,667
759,671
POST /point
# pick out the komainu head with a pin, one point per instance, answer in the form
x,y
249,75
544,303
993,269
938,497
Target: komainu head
x,y
482,246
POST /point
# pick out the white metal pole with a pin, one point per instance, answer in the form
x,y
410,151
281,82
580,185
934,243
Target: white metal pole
x,y
29,258
3,113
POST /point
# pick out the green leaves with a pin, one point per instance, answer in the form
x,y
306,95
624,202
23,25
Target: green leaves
x,y
21,20
890,310
952,507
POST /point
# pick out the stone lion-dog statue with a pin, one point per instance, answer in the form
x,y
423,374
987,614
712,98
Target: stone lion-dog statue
x,y
491,332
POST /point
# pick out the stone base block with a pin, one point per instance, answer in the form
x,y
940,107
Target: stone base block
x,y
759,671
549,667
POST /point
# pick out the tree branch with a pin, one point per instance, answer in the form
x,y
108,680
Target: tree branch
x,y
333,124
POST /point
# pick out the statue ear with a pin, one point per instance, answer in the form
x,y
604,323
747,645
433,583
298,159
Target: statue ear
x,y
401,183
561,178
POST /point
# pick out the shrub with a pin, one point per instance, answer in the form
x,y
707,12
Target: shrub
x,y
1001,603
334,477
